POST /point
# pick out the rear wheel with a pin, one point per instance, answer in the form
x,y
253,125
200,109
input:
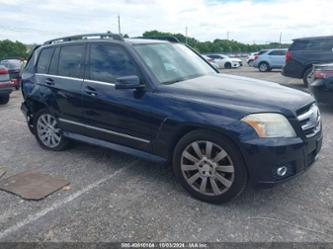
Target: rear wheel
x,y
47,132
209,167
4,99
264,67
308,77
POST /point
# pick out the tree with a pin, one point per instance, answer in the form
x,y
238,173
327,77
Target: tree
x,y
218,45
10,49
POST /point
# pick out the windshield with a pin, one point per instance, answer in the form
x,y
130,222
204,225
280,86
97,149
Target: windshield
x,y
171,63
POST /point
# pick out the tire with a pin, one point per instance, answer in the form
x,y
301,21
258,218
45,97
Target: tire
x,y
227,65
250,63
264,67
191,174
307,77
45,127
4,99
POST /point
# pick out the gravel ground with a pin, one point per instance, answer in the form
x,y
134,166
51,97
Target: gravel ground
x,y
116,197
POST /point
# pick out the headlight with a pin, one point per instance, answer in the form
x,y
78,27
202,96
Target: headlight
x,y
268,125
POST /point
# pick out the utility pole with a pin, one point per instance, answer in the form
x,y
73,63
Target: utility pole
x,y
186,35
281,39
119,29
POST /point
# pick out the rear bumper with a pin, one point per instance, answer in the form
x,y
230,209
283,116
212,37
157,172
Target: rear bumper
x,y
322,90
5,90
264,156
293,69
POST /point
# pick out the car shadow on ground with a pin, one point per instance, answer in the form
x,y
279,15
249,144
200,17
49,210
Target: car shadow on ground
x,y
162,174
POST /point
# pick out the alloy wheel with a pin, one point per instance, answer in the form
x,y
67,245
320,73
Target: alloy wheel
x,y
207,168
47,130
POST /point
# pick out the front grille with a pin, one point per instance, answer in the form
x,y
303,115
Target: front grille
x,y
309,119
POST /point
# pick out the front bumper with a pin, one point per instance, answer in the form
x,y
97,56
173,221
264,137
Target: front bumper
x,y
264,156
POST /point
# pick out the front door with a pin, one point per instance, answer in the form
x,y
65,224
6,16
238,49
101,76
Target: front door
x,y
120,116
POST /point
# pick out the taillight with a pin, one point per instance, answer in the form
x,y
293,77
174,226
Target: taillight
x,y
3,71
288,56
322,74
14,81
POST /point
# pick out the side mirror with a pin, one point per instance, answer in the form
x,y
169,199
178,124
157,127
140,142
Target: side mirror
x,y
128,82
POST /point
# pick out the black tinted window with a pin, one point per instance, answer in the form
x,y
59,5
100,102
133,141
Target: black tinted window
x,y
315,44
108,62
44,60
54,62
71,60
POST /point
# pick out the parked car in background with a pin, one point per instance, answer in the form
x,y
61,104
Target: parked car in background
x,y
210,60
14,68
270,59
224,61
5,85
304,53
250,58
161,101
322,85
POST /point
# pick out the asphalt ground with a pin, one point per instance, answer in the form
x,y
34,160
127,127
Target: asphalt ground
x,y
116,197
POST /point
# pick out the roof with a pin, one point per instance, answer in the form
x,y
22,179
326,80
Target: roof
x,y
108,37
143,41
314,38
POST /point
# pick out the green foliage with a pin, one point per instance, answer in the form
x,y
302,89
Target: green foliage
x,y
218,45
10,49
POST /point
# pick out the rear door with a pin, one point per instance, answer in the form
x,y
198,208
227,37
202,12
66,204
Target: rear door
x,y
60,70
277,58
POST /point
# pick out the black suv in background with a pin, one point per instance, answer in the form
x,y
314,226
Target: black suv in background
x,y
303,53
162,101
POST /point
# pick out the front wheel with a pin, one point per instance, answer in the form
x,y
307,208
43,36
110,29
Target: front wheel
x,y
209,167
227,65
47,132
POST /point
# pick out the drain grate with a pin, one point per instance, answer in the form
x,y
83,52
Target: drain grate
x,y
32,185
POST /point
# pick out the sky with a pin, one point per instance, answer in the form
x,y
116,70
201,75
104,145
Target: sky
x,y
248,21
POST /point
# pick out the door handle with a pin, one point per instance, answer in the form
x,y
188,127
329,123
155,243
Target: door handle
x,y
90,91
49,81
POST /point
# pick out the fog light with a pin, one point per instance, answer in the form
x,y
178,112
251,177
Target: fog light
x,y
282,171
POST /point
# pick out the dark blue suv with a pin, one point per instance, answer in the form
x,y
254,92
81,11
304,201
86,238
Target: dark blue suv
x,y
162,101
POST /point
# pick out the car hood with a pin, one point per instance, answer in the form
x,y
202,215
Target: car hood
x,y
246,94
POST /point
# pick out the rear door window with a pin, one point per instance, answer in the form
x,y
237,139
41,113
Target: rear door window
x,y
54,62
108,62
44,60
71,61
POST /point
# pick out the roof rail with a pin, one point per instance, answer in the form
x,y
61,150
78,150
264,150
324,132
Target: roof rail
x,y
163,38
107,35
